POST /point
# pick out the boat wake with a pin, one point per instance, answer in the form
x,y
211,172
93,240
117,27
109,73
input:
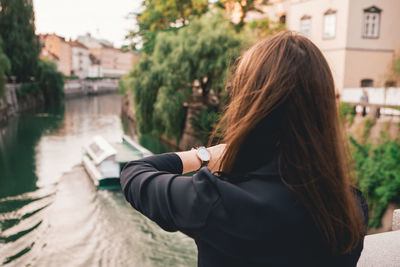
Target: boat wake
x,y
73,224
21,220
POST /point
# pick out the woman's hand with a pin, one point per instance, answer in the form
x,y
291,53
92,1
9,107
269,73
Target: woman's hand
x,y
191,162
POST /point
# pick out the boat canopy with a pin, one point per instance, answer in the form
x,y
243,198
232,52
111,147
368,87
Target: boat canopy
x,y
100,150
126,153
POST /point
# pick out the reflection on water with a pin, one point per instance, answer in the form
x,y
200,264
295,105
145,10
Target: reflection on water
x,y
52,216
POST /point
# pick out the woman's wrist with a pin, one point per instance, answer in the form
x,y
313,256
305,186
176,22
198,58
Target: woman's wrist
x,y
190,161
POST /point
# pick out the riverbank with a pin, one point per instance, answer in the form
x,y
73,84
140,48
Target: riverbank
x,y
188,139
11,104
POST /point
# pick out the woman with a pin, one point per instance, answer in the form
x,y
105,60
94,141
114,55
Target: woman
x,y
279,193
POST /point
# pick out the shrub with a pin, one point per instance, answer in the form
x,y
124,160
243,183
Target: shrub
x,y
347,112
378,175
204,123
368,123
51,82
5,67
70,77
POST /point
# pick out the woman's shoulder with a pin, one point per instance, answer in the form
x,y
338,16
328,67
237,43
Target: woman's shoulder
x,y
265,199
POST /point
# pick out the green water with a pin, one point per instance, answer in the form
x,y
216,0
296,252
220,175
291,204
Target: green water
x,y
50,212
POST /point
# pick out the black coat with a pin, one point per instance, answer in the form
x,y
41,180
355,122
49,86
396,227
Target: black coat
x,y
245,222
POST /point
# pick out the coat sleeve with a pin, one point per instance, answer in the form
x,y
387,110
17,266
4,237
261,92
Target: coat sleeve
x,y
155,187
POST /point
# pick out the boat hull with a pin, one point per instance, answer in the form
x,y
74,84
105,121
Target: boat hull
x,y
104,162
109,184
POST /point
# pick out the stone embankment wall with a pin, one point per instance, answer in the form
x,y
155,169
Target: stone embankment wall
x,y
73,88
387,124
10,105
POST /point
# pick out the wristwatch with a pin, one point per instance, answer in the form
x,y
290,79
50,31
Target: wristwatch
x,y
203,155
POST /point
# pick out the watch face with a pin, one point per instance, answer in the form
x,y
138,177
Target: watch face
x,y
203,153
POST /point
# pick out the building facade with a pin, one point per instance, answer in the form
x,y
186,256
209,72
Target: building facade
x,y
80,59
95,67
113,61
59,48
86,57
359,38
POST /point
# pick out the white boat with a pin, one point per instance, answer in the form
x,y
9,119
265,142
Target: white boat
x,y
103,161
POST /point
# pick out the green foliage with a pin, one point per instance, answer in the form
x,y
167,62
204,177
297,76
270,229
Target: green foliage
x,y
28,89
169,112
244,7
161,82
205,122
264,27
347,112
18,33
123,84
378,175
368,123
397,66
5,68
163,15
74,77
70,77
145,79
101,78
51,82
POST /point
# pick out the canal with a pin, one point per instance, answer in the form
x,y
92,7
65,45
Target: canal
x,y
50,212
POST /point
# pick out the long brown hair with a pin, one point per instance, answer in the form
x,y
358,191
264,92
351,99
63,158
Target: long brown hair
x,y
289,73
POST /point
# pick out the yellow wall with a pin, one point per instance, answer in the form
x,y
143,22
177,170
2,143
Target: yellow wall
x,y
62,50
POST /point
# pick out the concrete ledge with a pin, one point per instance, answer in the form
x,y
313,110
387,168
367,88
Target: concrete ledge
x,y
396,220
381,250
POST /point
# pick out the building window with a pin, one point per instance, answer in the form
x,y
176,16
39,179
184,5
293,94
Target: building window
x,y
282,19
367,83
329,24
390,84
305,26
372,16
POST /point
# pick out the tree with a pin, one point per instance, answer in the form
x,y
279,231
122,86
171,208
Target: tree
x,y
244,7
199,53
18,33
263,27
397,66
5,68
378,174
163,15
51,82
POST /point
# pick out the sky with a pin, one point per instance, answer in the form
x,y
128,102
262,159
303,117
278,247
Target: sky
x,y
102,18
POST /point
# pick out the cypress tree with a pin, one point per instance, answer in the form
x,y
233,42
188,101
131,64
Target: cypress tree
x,y
20,44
